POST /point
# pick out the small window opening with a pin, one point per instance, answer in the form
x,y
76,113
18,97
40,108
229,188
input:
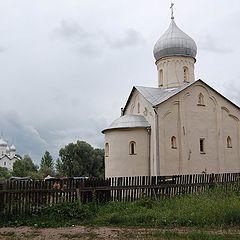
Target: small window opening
x,y
138,106
5,163
185,74
160,78
173,142
229,142
132,148
202,145
201,100
106,150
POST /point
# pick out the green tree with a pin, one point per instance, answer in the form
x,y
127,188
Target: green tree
x,y
4,173
98,164
81,159
59,168
46,166
24,167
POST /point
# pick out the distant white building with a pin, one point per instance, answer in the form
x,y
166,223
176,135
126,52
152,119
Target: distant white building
x,y
7,154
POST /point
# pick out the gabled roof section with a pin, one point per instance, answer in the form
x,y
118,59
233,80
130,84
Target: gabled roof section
x,y
156,96
7,156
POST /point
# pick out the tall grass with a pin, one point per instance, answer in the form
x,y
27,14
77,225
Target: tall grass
x,y
212,208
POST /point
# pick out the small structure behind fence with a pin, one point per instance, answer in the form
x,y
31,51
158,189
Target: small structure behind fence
x,y
22,197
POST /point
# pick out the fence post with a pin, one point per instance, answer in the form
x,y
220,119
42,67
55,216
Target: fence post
x,y
79,197
212,181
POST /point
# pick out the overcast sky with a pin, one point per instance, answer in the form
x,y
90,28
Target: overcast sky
x,y
67,66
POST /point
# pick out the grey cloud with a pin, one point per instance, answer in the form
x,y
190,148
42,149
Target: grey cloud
x,y
2,49
131,38
92,128
232,90
211,44
89,49
94,44
83,42
59,96
26,137
71,30
88,130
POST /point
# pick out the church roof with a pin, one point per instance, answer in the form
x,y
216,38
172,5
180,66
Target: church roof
x,y
156,96
8,157
174,42
129,121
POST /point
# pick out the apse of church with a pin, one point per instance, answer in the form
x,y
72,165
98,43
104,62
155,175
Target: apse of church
x,y
182,126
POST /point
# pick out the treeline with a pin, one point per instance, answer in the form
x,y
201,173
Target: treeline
x,y
75,159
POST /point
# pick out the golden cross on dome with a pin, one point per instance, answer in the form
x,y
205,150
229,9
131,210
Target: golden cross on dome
x,y
172,4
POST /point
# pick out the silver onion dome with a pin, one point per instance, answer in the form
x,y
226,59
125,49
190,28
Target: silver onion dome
x,y
174,42
3,143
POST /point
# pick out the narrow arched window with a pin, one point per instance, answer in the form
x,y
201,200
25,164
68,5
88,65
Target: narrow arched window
x,y
132,148
202,145
106,150
185,74
229,142
201,99
138,107
173,142
160,78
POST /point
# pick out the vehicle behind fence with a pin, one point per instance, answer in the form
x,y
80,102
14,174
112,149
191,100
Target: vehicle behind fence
x,y
28,197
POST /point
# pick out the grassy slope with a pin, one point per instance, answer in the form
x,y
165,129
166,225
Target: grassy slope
x,y
212,209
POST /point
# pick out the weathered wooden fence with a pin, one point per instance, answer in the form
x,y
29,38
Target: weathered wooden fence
x,y
17,197
30,196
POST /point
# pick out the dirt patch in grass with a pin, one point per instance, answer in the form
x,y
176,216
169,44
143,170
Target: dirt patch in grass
x,y
107,233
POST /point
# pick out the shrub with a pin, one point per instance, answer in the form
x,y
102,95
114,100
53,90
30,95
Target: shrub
x,y
70,211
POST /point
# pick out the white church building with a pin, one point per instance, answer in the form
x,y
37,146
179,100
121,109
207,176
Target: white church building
x,y
182,126
7,155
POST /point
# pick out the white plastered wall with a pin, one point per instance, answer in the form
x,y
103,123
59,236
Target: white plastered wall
x,y
213,121
173,71
138,105
119,162
7,163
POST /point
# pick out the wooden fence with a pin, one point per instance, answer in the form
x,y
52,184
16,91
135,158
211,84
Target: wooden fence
x,y
21,197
